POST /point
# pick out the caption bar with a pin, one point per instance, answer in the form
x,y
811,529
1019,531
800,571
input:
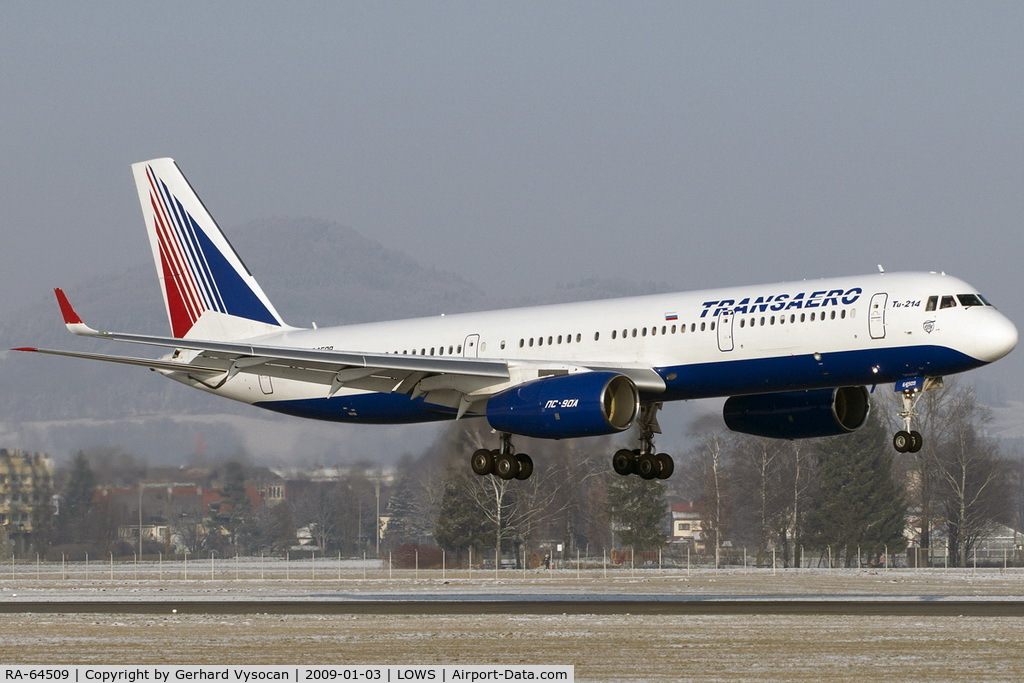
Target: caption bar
x,y
289,674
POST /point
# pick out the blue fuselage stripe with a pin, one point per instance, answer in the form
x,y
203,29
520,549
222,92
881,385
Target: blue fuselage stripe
x,y
792,373
700,380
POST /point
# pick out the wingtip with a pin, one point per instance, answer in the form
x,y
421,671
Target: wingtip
x,y
25,348
66,309
72,320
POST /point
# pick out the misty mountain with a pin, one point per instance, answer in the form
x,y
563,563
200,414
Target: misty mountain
x,y
311,269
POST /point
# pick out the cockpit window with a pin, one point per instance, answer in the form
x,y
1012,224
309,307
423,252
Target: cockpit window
x,y
985,301
948,302
969,300
933,303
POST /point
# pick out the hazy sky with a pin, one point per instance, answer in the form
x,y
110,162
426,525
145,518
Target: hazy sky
x,y
525,144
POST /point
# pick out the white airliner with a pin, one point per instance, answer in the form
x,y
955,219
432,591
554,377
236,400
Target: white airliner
x,y
795,358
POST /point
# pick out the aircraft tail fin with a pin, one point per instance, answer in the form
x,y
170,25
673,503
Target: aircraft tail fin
x,y
208,291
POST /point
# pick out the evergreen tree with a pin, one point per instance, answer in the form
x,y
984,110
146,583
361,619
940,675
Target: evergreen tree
x,y
406,521
638,508
460,525
234,487
235,509
44,521
272,529
282,527
76,504
6,547
858,505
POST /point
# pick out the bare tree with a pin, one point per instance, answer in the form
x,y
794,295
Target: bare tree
x,y
959,481
516,512
519,510
757,464
711,470
575,497
190,531
936,413
789,526
973,475
494,499
317,508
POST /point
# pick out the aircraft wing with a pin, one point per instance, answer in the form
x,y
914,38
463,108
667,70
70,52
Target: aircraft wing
x,y
153,364
454,381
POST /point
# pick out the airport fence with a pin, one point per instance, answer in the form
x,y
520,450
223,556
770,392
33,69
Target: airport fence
x,y
326,568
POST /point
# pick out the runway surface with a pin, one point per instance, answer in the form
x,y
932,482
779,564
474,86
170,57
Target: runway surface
x,y
669,626
473,605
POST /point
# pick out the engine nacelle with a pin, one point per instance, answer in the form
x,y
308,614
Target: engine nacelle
x,y
798,414
567,406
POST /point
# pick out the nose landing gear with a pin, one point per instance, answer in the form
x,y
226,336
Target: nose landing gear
x,y
905,441
908,440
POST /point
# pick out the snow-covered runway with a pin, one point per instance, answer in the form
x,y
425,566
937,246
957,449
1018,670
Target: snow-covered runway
x,y
611,627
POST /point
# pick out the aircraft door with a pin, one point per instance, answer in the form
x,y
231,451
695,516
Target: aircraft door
x,y
725,321
876,315
470,349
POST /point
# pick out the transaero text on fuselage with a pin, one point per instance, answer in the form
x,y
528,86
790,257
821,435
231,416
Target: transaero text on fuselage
x,y
783,302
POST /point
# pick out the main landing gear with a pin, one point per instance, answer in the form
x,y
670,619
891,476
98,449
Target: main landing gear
x,y
503,463
908,440
644,461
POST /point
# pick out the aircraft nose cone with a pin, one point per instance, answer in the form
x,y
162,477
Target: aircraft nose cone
x,y
995,338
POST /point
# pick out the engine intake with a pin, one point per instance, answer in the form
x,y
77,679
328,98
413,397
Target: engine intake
x,y
566,406
799,414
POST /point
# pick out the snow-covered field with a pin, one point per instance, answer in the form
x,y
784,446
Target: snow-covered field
x,y
255,578
622,647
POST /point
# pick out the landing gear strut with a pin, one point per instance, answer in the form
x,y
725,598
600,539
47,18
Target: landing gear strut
x,y
644,461
907,440
503,463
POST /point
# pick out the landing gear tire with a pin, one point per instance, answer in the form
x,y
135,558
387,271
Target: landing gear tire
x,y
624,462
502,462
525,466
666,465
902,441
647,466
482,462
907,442
506,466
916,441
643,461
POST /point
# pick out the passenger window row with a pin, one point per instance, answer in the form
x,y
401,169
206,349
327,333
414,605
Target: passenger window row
x,y
432,351
654,331
793,318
